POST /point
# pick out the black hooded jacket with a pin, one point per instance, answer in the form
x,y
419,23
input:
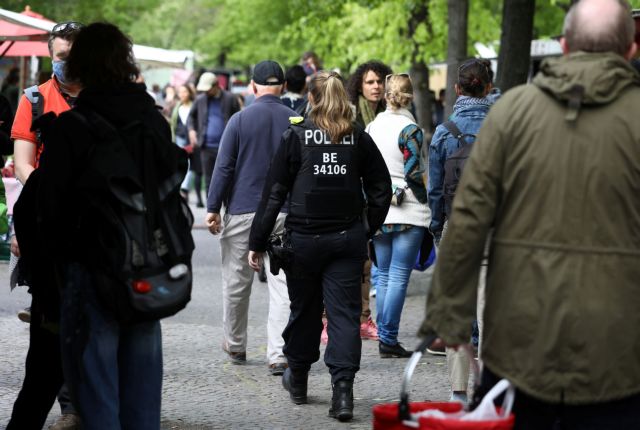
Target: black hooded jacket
x,y
68,140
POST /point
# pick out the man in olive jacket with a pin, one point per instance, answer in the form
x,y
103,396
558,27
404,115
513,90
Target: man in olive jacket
x,y
555,173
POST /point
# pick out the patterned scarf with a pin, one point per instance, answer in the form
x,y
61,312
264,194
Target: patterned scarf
x,y
464,101
367,113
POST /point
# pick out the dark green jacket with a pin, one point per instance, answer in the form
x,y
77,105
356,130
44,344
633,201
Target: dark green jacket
x,y
559,183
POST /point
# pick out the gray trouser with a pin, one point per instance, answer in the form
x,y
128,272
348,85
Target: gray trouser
x,y
457,361
237,278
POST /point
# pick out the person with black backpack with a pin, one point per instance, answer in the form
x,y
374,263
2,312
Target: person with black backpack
x,y
450,147
109,177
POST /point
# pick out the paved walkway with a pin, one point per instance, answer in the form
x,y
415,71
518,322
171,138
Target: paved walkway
x,y
202,390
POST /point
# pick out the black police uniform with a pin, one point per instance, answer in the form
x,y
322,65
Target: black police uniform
x,y
327,185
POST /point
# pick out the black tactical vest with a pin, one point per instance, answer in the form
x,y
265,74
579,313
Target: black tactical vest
x,y
328,184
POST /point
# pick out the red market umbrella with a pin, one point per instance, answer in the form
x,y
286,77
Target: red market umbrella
x,y
21,40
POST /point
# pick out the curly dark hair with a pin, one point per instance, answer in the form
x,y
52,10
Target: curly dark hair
x,y
354,86
101,55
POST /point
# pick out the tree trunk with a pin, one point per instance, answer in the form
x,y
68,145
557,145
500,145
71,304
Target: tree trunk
x,y
422,99
458,14
419,72
515,43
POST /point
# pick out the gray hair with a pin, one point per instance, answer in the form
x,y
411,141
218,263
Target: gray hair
x,y
611,32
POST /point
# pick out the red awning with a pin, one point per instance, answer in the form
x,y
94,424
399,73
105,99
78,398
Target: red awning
x,y
24,41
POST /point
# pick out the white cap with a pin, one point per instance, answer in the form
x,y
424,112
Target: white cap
x,y
206,81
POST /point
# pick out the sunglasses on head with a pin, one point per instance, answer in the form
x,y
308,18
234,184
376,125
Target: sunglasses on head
x,y
66,27
386,79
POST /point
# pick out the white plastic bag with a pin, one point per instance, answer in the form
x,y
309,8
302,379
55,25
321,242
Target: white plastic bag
x,y
486,410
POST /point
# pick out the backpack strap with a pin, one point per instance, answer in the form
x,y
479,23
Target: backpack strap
x,y
455,131
37,106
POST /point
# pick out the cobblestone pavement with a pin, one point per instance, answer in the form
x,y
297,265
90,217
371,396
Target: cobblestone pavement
x,y
202,390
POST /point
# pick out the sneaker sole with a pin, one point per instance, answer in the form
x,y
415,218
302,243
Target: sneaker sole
x,y
432,352
385,355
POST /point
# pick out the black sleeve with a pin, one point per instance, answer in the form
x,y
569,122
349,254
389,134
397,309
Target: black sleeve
x,y
376,182
192,119
282,173
6,121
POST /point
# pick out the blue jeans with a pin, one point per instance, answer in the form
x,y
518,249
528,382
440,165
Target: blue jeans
x,y
114,372
374,276
396,255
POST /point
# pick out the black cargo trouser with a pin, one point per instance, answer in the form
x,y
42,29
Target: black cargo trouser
x,y
326,267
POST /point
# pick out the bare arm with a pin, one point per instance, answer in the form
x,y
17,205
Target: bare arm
x,y
24,154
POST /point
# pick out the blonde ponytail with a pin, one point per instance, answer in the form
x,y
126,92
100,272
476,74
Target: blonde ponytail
x,y
330,107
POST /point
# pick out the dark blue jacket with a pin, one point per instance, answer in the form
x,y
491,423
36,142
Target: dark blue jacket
x,y
246,148
199,114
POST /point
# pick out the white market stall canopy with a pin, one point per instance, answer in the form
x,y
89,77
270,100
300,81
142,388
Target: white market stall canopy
x,y
146,56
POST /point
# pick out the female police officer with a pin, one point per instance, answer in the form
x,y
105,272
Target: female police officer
x,y
323,164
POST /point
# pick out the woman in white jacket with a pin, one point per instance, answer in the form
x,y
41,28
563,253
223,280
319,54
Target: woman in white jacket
x,y
397,243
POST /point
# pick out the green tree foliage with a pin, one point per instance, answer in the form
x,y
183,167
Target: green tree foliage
x,y
343,33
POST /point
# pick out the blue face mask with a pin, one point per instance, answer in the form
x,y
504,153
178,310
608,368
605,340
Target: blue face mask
x,y
58,70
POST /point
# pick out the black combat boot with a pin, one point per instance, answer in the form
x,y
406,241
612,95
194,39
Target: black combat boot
x,y
296,384
342,400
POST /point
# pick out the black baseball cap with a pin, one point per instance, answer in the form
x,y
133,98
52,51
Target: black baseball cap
x,y
268,72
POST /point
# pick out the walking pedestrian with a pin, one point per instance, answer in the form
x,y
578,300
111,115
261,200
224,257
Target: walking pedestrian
x,y
469,111
207,120
43,371
553,173
323,164
246,147
113,369
399,240
178,121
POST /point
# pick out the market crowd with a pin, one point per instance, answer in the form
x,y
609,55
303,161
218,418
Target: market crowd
x,y
334,194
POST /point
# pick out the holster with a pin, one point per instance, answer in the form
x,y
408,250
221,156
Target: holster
x,y
280,252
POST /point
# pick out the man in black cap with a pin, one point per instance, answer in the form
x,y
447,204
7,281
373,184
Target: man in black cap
x,y
247,145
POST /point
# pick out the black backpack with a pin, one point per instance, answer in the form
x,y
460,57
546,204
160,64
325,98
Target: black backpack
x,y
136,227
454,164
